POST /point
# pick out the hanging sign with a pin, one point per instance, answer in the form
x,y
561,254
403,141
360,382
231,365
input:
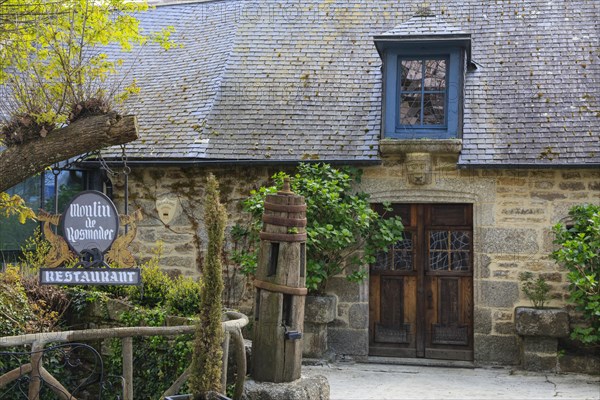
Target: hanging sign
x,y
90,221
90,226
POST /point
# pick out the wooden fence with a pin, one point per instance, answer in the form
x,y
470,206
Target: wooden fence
x,y
38,374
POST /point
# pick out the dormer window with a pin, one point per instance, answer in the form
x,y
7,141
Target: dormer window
x,y
423,75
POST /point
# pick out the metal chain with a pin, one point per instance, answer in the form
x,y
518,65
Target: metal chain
x,y
57,168
104,165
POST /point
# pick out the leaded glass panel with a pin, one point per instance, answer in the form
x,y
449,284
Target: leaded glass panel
x,y
438,261
438,240
461,240
461,261
381,261
403,253
449,250
433,108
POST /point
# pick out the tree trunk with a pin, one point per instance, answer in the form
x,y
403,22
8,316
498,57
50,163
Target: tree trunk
x,y
19,162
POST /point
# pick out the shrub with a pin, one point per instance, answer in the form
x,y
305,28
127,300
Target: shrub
x,y
28,307
156,284
183,298
343,231
579,251
15,310
536,290
35,249
158,360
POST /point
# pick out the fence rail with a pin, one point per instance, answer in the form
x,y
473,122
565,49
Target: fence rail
x,y
38,374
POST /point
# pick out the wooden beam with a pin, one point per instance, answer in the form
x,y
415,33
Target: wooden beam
x,y
20,162
14,374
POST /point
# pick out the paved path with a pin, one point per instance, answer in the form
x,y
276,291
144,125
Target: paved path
x,y
350,381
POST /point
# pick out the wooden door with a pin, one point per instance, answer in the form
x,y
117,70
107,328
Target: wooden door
x,y
421,290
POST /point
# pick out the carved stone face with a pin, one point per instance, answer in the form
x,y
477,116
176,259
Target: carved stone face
x,y
168,207
418,168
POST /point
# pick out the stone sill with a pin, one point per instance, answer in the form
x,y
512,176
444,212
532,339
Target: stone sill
x,y
431,146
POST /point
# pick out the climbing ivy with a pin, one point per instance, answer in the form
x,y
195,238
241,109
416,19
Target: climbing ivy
x,y
344,232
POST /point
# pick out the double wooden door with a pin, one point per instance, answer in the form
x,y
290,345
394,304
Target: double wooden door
x,y
421,290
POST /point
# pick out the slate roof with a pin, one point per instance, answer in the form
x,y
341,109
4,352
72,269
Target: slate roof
x,y
424,25
292,80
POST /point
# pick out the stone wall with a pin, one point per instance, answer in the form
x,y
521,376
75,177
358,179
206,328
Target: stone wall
x,y
179,192
514,210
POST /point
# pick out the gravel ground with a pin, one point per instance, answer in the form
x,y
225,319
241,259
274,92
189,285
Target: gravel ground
x,y
357,381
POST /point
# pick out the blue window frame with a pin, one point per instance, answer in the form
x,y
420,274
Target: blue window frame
x,y
423,92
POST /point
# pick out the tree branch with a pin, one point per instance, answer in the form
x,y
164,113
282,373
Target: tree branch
x,y
19,162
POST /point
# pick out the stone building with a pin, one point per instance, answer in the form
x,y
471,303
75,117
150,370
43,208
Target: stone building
x,y
478,121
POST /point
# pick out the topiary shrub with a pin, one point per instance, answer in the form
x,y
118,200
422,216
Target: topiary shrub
x,y
207,355
579,251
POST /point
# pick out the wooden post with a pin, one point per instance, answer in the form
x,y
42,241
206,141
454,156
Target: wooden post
x,y
225,347
281,287
35,381
127,349
240,362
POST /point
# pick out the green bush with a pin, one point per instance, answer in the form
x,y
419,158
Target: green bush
x,y
15,309
344,232
158,360
183,298
579,251
35,249
156,284
536,290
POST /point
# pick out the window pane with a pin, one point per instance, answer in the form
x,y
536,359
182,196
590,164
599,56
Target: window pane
x,y
412,75
438,261
433,109
381,261
403,253
12,232
410,109
461,261
435,75
69,184
438,240
461,240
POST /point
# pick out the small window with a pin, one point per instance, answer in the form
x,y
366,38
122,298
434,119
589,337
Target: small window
x,y
423,93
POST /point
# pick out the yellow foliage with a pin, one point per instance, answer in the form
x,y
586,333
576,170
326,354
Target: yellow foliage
x,y
15,205
56,49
